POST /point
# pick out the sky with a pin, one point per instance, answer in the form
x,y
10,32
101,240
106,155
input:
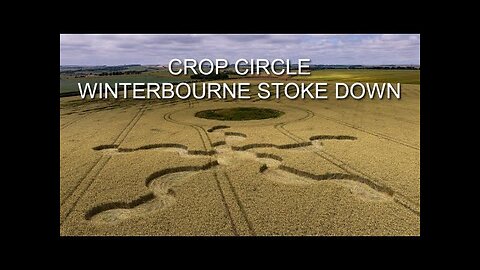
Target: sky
x,y
345,49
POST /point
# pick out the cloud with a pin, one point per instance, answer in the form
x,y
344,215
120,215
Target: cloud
x,y
159,49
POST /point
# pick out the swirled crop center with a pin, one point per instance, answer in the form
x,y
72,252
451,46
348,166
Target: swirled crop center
x,y
239,114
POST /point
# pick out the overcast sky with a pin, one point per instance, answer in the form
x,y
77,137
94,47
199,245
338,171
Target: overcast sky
x,y
160,49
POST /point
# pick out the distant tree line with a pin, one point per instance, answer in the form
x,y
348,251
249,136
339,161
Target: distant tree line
x,y
97,69
221,76
396,67
363,67
119,73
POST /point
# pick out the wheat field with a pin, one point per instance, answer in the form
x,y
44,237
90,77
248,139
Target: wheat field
x,y
326,168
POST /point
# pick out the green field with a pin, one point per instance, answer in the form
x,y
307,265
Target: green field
x,y
364,75
239,114
70,83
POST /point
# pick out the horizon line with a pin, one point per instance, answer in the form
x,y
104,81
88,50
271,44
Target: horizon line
x,y
99,65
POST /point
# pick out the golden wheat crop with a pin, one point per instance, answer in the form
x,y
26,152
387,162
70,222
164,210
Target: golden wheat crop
x,y
136,167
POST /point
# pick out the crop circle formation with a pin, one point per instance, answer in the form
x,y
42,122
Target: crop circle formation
x,y
239,114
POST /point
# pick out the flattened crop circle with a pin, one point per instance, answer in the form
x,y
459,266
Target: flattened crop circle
x,y
239,114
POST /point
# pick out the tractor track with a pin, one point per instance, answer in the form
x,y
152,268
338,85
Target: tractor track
x,y
228,210
225,204
240,205
95,170
71,122
207,144
398,197
378,135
